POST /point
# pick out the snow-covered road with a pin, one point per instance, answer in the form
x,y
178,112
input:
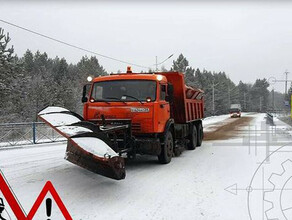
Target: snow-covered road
x,y
192,186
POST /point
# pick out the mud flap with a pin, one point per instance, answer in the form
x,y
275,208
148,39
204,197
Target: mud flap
x,y
87,145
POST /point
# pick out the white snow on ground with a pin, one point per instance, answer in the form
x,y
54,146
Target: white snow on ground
x,y
95,146
214,119
190,187
209,122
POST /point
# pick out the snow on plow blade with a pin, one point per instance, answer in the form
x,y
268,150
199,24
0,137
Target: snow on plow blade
x,y
88,146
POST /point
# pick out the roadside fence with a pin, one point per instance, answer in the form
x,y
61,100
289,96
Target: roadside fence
x,y
14,134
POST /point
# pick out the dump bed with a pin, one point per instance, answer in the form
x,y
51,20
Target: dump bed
x,y
188,103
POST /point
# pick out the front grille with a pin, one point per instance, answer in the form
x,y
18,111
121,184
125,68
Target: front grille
x,y
136,127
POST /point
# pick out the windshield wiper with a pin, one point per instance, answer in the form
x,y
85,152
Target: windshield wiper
x,y
115,98
133,98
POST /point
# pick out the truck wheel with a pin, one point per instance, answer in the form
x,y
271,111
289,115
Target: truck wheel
x,y
200,135
166,149
193,138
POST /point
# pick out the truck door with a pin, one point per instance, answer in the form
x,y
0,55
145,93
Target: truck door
x,y
164,109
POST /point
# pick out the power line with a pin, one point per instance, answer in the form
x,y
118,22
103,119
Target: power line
x,y
71,45
163,60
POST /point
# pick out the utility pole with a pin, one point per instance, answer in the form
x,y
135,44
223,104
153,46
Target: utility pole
x,y
273,80
261,103
244,100
229,98
213,97
273,100
286,81
156,61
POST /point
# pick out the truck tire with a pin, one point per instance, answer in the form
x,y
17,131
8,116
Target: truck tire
x,y
166,149
193,138
200,135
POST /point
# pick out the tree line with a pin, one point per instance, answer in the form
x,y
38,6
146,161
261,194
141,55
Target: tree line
x,y
221,91
34,81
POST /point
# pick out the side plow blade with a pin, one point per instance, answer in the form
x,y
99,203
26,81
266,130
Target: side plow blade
x,y
88,146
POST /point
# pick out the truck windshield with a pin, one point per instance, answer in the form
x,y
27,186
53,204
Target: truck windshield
x,y
234,110
124,90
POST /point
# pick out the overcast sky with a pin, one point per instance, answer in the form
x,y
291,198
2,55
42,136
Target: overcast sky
x,y
246,40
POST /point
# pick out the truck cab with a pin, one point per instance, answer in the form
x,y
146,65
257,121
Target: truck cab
x,y
149,113
235,110
141,98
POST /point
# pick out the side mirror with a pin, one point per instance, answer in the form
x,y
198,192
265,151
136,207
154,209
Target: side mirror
x,y
85,93
169,89
84,99
169,97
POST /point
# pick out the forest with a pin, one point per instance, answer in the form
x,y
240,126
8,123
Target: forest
x,y
34,81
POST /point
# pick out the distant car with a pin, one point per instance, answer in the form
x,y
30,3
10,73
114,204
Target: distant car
x,y
235,112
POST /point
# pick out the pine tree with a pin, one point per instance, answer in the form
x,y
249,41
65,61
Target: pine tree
x,y
7,64
10,73
189,76
180,64
259,95
90,67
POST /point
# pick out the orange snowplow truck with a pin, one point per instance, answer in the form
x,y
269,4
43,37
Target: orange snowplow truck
x,y
136,113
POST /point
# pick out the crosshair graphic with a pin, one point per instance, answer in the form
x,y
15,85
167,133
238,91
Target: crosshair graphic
x,y
279,197
269,194
272,187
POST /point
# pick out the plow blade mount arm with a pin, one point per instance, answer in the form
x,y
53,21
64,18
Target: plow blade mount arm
x,y
88,146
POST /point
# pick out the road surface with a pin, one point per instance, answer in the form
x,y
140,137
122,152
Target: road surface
x,y
207,183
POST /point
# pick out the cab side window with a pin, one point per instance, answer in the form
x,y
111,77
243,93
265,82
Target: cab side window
x,y
162,92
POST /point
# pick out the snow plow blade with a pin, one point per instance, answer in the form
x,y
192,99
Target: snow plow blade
x,y
88,145
110,167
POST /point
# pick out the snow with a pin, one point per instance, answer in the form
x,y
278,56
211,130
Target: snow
x,y
95,146
51,109
190,187
59,119
63,121
214,119
52,115
209,122
73,130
